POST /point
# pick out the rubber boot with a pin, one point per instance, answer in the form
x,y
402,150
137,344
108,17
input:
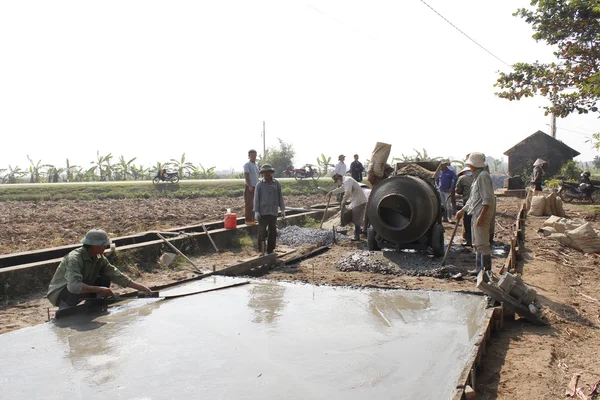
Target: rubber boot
x,y
486,262
478,265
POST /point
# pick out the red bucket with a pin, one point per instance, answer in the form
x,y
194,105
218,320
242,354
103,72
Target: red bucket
x,y
230,221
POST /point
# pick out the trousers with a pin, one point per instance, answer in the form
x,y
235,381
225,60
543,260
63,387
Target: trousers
x,y
248,204
481,234
267,229
72,299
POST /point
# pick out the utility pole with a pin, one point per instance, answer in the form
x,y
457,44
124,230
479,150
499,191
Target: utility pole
x,y
553,125
264,141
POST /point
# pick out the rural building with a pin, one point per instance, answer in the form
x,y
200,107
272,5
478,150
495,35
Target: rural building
x,y
539,145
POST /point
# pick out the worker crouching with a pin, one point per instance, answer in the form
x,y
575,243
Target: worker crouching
x,y
481,206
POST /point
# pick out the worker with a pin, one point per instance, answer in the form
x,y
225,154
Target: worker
x,y
267,199
463,189
446,183
85,273
357,169
539,168
373,179
340,168
251,176
358,201
481,206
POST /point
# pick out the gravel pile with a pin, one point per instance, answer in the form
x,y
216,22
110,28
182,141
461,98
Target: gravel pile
x,y
410,264
296,236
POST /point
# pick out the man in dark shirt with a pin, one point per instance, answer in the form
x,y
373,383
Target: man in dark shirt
x,y
356,169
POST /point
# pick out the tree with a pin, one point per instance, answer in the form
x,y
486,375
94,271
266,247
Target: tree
x,y
70,170
181,165
204,173
596,162
138,171
13,174
281,157
571,171
324,163
35,170
123,168
99,165
572,82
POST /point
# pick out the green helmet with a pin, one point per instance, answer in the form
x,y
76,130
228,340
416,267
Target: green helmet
x,y
96,237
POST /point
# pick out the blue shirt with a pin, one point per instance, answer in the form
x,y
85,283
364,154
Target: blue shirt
x,y
252,169
268,197
447,180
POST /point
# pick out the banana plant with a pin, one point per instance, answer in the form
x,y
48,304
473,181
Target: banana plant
x,y
99,165
35,170
204,173
70,170
124,168
12,175
53,173
324,163
138,172
182,166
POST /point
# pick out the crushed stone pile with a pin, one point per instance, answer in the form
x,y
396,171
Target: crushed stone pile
x,y
414,169
408,264
297,236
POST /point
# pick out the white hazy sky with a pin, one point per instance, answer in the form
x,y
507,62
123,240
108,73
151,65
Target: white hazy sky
x,y
155,79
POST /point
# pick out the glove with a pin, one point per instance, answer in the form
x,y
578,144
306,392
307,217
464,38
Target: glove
x,y
282,214
257,216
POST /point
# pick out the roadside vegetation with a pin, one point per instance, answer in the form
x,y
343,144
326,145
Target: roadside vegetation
x,y
146,190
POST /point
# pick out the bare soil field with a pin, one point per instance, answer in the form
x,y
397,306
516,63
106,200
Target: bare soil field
x,y
523,360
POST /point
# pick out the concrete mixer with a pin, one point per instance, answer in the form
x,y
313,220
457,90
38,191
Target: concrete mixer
x,y
405,210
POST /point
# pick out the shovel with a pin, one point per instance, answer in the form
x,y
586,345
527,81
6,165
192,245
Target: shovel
x,y
450,243
325,213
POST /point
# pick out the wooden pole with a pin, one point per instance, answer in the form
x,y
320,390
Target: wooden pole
x,y
325,213
178,252
209,238
450,243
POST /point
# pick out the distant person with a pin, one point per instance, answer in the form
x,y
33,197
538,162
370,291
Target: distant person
x,y
267,199
85,273
481,206
539,168
340,168
463,189
251,177
446,183
358,201
357,169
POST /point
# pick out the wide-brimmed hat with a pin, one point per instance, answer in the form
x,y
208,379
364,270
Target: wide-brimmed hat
x,y
341,156
266,167
476,159
96,237
539,162
464,170
444,161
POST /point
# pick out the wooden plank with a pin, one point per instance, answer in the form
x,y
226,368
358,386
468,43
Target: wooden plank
x,y
240,269
312,253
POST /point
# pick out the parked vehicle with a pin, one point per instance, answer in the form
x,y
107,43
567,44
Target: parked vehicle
x,y
569,191
300,173
166,176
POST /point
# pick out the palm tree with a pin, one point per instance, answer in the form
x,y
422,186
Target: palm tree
x,y
181,165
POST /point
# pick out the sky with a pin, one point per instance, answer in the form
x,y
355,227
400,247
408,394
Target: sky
x,y
157,79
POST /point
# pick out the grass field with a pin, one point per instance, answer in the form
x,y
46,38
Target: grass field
x,y
146,190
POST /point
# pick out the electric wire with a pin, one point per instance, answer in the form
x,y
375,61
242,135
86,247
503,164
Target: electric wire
x,y
467,36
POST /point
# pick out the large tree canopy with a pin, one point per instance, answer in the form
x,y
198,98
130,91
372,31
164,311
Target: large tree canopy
x,y
572,82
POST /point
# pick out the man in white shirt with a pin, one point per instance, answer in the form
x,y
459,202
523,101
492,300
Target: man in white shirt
x,y
358,201
340,168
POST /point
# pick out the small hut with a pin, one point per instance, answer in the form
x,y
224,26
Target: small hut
x,y
539,145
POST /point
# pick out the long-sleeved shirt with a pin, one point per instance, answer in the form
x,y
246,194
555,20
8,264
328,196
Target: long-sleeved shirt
x,y
77,268
538,173
463,186
482,193
252,169
340,169
447,180
356,169
351,190
268,197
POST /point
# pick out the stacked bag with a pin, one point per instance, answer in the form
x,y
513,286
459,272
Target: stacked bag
x,y
575,233
540,205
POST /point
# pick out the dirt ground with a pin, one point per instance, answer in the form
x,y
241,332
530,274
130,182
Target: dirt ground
x,y
523,360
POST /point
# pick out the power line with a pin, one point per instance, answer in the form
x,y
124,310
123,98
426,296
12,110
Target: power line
x,y
467,36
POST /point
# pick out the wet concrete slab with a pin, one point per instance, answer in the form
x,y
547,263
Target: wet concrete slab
x,y
266,340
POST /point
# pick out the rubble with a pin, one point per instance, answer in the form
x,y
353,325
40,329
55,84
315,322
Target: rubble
x,y
296,236
413,264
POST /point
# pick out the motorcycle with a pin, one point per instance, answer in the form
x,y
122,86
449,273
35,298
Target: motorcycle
x,y
306,172
172,177
569,191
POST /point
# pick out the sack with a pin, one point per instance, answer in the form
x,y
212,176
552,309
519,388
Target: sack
x,y
585,238
538,203
547,231
550,206
379,158
560,211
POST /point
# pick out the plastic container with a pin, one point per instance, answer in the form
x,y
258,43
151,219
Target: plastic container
x,y
230,221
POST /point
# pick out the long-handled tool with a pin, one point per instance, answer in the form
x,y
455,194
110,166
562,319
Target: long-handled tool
x,y
175,296
324,214
450,243
179,252
211,240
